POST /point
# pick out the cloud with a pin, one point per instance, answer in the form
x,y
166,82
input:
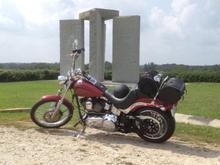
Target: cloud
x,y
23,48
188,34
179,5
6,22
41,12
10,17
41,16
175,31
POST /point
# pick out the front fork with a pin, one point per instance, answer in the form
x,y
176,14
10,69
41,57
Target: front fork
x,y
58,105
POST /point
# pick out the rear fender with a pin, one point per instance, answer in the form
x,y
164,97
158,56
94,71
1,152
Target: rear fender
x,y
138,105
57,98
150,103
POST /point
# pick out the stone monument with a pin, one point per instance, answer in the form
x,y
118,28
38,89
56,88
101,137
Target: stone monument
x,y
70,30
126,39
97,26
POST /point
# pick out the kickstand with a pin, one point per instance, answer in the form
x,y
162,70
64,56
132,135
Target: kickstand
x,y
82,130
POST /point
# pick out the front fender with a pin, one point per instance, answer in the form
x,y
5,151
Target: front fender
x,y
57,98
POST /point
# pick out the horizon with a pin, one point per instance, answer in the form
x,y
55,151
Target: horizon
x,y
105,62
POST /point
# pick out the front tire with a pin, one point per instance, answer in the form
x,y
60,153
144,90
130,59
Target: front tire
x,y
154,125
42,111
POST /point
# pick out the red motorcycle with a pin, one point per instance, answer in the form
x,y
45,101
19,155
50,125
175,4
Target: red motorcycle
x,y
147,110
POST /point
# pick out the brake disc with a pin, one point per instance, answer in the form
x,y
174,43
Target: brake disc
x,y
48,116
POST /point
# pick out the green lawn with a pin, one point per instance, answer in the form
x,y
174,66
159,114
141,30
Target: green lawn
x,y
202,99
25,94
11,117
197,133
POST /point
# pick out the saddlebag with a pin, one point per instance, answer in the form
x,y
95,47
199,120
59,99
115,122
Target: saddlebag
x,y
147,85
172,91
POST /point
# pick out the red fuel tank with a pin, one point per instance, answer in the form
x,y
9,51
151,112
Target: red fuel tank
x,y
86,89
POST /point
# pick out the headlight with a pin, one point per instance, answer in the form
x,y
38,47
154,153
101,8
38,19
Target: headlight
x,y
62,78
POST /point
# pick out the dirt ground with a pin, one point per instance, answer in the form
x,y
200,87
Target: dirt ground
x,y
41,146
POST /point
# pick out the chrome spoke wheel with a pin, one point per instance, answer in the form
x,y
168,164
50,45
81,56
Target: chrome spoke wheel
x,y
43,114
51,118
154,125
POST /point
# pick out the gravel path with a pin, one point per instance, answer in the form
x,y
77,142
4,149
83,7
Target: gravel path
x,y
40,146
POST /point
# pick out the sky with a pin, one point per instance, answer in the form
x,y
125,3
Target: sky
x,y
172,31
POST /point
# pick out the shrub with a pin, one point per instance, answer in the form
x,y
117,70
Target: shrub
x,y
196,76
27,75
108,75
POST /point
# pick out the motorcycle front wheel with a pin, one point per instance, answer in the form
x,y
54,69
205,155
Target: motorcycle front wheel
x,y
42,114
154,125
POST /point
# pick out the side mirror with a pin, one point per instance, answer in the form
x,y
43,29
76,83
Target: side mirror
x,y
75,44
62,78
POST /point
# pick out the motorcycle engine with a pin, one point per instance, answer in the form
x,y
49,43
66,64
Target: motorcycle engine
x,y
98,115
93,104
105,122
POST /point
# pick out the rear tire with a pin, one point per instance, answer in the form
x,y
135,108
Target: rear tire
x,y
156,125
46,121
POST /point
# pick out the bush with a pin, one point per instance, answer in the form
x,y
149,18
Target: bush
x,y
197,76
108,75
27,75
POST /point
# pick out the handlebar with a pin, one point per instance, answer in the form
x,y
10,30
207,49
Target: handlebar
x,y
75,53
78,51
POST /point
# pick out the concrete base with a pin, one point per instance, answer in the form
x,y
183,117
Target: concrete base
x,y
197,120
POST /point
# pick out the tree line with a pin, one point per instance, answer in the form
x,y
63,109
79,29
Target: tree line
x,y
48,71
27,75
30,66
196,73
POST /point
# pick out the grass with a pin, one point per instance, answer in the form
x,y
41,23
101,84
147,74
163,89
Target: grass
x,y
25,94
197,133
10,117
201,99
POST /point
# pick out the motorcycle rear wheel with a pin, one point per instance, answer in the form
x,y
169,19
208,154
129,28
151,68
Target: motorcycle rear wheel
x,y
154,125
41,114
